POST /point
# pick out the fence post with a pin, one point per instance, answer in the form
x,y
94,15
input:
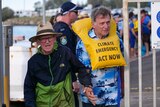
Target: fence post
x,y
139,56
1,60
126,54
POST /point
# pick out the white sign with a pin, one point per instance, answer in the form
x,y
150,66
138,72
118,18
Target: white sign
x,y
155,23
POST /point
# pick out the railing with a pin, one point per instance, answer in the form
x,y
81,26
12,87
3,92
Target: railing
x,y
126,44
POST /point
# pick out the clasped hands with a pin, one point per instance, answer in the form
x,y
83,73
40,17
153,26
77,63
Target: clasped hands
x,y
90,95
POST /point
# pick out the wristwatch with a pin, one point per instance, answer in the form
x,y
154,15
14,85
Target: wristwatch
x,y
86,87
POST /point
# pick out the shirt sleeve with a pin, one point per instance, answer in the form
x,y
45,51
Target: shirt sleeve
x,y
147,20
82,54
29,88
120,25
131,25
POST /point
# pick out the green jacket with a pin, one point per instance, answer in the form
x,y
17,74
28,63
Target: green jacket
x,y
48,79
59,95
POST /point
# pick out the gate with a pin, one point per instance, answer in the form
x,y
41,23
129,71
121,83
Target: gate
x,y
126,54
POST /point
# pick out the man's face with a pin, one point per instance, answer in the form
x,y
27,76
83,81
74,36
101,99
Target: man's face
x,y
58,18
101,25
142,14
116,19
73,16
47,43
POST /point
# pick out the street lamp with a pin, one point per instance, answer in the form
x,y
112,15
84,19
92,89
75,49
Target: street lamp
x,y
44,12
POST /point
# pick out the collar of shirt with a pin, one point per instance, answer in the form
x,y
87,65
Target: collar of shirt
x,y
93,35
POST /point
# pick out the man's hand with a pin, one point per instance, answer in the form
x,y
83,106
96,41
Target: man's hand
x,y
90,95
75,86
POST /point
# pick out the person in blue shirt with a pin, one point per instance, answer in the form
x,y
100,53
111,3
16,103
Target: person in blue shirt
x,y
132,35
106,82
146,30
119,21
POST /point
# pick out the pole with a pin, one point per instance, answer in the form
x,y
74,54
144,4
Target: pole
x,y
8,35
154,79
153,35
44,12
24,5
1,60
139,56
126,54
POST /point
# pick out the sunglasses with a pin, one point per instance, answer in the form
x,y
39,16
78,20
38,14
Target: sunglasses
x,y
76,12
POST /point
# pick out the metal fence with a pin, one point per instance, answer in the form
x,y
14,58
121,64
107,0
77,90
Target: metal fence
x,y
126,44
127,68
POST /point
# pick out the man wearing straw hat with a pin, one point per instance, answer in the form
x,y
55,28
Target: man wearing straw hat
x,y
48,80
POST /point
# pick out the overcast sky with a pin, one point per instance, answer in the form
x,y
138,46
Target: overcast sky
x,y
26,4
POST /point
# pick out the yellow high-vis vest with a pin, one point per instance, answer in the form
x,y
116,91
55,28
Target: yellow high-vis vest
x,y
103,53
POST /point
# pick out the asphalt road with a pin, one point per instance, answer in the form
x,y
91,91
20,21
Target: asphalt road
x,y
147,73
147,81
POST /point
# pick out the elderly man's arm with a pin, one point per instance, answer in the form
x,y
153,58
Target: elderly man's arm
x,y
83,72
29,89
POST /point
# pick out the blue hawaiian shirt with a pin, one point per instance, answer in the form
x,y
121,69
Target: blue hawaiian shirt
x,y
106,82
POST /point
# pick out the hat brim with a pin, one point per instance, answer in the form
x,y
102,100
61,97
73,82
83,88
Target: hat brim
x,y
35,38
78,8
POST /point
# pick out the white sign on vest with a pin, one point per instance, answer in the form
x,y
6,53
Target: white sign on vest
x,y
155,23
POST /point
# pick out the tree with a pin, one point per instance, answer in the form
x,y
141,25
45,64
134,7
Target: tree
x,y
38,7
108,3
7,13
51,4
96,3
118,3
143,4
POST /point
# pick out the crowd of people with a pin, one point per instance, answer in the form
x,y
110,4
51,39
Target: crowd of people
x,y
78,54
133,32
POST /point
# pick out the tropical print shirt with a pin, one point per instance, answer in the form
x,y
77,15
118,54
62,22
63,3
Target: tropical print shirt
x,y
106,82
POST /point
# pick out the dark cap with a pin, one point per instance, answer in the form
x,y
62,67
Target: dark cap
x,y
116,15
69,6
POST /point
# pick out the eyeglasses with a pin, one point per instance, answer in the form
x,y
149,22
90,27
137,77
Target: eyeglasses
x,y
76,12
45,39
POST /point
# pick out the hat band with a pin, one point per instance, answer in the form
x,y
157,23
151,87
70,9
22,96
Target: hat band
x,y
70,10
45,31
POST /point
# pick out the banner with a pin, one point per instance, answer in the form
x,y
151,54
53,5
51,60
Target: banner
x,y
155,25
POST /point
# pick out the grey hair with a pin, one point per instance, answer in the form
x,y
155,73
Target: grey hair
x,y
101,10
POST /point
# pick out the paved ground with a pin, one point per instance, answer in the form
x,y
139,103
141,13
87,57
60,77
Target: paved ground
x,y
147,83
147,99
147,72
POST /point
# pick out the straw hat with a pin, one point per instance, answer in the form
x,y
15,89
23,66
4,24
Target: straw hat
x,y
44,30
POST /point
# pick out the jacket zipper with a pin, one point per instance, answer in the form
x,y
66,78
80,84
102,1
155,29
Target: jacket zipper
x,y
49,63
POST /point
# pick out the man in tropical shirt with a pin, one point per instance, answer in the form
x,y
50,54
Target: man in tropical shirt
x,y
106,82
